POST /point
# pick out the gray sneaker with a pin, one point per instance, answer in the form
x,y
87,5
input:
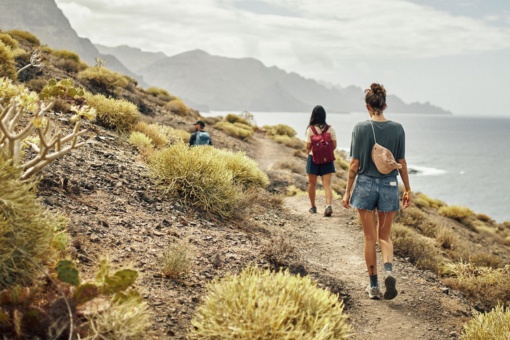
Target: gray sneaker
x,y
328,211
373,292
313,210
390,283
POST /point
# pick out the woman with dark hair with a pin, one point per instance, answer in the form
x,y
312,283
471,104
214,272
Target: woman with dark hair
x,y
376,195
318,123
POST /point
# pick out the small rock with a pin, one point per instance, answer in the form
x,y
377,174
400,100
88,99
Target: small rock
x,y
445,290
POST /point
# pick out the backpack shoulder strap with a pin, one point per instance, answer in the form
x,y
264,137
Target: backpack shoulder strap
x,y
325,128
373,131
314,130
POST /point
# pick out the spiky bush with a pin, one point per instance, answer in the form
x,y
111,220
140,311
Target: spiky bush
x,y
176,260
66,54
264,305
103,78
235,131
9,41
139,139
292,142
115,114
280,130
24,35
487,285
154,131
232,118
9,90
161,94
423,201
494,325
26,228
419,249
456,212
178,107
7,63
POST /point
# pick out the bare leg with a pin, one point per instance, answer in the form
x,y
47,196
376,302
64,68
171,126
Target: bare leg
x,y
370,232
326,183
312,186
384,227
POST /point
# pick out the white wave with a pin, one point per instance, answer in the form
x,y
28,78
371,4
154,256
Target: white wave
x,y
424,171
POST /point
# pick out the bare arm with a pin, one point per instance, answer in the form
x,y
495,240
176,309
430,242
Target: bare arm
x,y
308,148
353,172
406,198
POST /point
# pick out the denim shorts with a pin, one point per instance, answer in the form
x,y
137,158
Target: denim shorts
x,y
319,170
371,192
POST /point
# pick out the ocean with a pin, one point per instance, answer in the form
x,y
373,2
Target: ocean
x,y
461,160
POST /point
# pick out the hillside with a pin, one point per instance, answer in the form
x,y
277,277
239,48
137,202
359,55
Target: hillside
x,y
449,263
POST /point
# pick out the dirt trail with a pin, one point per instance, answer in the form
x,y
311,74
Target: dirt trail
x,y
424,309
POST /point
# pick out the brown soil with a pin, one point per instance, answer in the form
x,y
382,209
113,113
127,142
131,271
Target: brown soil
x,y
116,211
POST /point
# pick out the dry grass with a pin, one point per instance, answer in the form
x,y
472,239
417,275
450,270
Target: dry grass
x,y
176,260
279,251
104,79
263,305
7,63
295,166
484,218
155,132
292,142
24,35
232,118
494,325
161,94
487,285
456,212
9,41
280,130
415,218
115,114
140,140
238,131
423,201
177,107
66,54
417,248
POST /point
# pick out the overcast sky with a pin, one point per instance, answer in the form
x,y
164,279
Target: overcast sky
x,y
453,53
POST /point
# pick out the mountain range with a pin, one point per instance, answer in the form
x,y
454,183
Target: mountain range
x,y
204,81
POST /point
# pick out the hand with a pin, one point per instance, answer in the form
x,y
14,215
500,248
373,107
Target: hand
x,y
345,200
406,199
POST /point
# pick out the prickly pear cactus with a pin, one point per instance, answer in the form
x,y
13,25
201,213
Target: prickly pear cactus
x,y
119,281
67,272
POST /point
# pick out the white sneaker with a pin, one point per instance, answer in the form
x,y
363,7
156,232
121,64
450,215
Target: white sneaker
x,y
373,292
391,286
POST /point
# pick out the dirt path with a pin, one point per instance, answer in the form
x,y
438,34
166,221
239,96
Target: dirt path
x,y
424,309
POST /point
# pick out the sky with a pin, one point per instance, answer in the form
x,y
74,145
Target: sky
x,y
452,53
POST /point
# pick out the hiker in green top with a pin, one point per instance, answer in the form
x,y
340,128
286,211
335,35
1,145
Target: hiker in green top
x,y
376,193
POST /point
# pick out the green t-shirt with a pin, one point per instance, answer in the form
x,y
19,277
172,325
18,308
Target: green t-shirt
x,y
389,134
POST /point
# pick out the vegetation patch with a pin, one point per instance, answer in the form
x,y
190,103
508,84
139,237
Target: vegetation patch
x,y
102,78
7,63
176,260
24,35
178,107
493,325
114,114
456,212
237,130
264,305
154,131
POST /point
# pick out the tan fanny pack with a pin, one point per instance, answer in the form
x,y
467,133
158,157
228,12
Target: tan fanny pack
x,y
383,158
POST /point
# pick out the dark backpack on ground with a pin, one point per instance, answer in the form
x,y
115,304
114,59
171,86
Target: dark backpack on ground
x,y
322,146
202,138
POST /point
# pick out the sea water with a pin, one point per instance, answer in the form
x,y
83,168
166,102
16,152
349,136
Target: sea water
x,y
460,160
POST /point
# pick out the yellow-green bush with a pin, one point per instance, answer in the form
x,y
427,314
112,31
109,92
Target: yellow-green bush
x,y
419,249
232,118
103,78
281,130
205,177
233,130
161,94
487,285
178,107
176,260
9,90
7,63
422,201
484,218
340,162
154,131
115,114
494,325
415,218
66,54
139,139
456,212
24,35
8,41
26,229
264,305
292,142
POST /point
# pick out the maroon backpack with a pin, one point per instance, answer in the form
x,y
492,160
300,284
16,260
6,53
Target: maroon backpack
x,y
322,146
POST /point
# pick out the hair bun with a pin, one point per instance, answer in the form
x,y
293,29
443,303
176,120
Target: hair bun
x,y
378,89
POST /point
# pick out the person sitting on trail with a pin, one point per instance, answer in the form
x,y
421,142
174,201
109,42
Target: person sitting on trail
x,y
200,137
376,193
320,138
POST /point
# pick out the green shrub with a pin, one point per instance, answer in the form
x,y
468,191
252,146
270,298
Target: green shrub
x,y
63,88
264,305
232,118
456,212
494,325
280,130
7,63
26,229
115,114
24,35
66,54
416,247
9,41
233,130
176,260
103,78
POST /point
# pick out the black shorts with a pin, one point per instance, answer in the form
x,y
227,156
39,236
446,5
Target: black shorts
x,y
319,170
